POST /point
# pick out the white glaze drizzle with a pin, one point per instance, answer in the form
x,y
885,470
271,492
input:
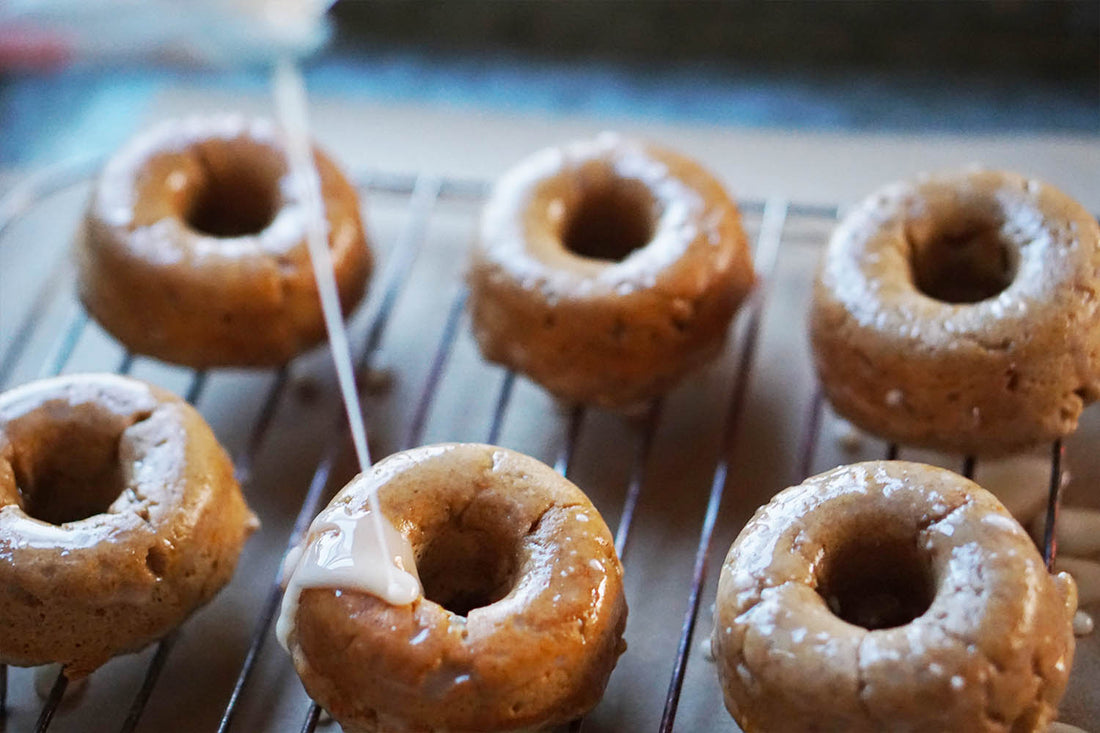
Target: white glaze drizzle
x,y
1083,623
120,395
347,549
1087,575
343,550
28,532
1065,728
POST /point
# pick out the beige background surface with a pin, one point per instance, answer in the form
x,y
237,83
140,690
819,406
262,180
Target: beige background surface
x,y
466,144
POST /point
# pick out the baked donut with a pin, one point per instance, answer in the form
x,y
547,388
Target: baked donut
x,y
961,312
193,248
119,516
890,596
517,617
607,269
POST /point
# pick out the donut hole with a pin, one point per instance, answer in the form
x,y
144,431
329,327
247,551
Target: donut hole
x,y
470,562
964,259
66,461
237,194
877,582
610,221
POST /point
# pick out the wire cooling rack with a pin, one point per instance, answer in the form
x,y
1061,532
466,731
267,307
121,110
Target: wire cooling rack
x,y
777,225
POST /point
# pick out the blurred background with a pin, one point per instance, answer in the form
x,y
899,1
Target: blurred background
x,y
78,76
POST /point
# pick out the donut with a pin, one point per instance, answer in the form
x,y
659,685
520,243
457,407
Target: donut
x,y
193,247
890,595
513,615
606,270
119,516
961,312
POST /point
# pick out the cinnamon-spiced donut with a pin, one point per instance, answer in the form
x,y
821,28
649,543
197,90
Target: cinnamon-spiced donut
x,y
961,312
506,610
193,249
890,596
607,269
119,516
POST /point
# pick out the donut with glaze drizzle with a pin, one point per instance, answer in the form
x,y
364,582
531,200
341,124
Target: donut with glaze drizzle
x,y
507,612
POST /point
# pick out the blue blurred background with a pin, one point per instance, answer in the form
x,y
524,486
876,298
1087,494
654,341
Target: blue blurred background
x,y
988,66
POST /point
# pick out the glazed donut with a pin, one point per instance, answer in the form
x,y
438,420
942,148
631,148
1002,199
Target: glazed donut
x,y
517,617
890,596
961,312
193,248
119,516
607,269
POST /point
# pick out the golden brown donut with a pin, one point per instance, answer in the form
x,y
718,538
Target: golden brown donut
x,y
119,516
961,312
521,615
194,248
607,269
890,596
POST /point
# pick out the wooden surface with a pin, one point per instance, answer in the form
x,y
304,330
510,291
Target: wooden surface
x,y
758,165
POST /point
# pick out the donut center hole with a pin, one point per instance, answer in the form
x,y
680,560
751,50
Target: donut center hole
x,y
470,563
66,461
965,260
878,582
611,221
235,198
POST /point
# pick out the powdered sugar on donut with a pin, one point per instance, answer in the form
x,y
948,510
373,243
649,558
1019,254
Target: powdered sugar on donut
x,y
507,222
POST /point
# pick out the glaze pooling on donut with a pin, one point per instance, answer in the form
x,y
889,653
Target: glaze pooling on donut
x,y
988,370
522,615
81,591
617,330
343,550
990,649
242,293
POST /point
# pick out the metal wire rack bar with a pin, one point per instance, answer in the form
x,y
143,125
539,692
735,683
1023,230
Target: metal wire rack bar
x,y
439,363
1054,502
970,463
63,351
53,701
812,425
423,193
564,461
152,674
766,257
504,397
13,205
643,447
